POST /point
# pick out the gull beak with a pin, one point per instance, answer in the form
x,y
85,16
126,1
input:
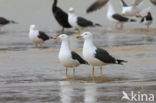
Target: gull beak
x,y
56,37
79,37
138,16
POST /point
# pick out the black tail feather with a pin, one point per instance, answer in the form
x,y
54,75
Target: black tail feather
x,y
121,61
14,22
98,25
132,20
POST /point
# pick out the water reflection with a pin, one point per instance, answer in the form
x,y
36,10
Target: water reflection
x,y
90,93
66,92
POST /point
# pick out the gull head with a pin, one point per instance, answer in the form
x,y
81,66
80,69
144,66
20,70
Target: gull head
x,y
32,27
71,10
85,35
62,37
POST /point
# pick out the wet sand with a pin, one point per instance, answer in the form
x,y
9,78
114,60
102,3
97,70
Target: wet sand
x,y
33,75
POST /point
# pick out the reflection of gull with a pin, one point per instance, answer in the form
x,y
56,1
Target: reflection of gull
x,y
125,96
117,18
66,92
90,94
100,3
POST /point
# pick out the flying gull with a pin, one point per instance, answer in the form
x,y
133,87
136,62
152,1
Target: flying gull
x,y
96,56
100,3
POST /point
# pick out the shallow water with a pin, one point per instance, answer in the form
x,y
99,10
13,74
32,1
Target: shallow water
x,y
34,75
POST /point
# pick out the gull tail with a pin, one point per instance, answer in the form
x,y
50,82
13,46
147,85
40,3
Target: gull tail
x,y
132,20
99,25
121,61
13,22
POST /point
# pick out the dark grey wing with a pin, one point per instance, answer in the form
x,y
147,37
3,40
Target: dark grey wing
x,y
104,56
120,18
43,36
97,5
4,21
123,3
153,2
83,22
78,58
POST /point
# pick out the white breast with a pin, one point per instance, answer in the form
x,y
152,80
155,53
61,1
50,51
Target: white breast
x,y
73,20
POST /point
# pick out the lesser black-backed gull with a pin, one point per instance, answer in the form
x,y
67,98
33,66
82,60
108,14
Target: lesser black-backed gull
x,y
37,37
68,58
60,16
96,56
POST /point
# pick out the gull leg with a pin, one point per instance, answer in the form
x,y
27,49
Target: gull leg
x,y
62,29
121,26
93,78
66,73
101,73
93,71
74,72
147,27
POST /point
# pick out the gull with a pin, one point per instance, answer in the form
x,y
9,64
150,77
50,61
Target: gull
x,y
60,16
147,20
37,37
4,21
100,3
79,22
96,56
68,58
116,17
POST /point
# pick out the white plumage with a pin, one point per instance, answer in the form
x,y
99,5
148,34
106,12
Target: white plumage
x,y
131,10
96,56
37,37
68,58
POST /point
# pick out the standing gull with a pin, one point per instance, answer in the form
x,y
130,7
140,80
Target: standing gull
x,y
60,16
79,22
4,21
147,20
68,58
96,56
117,18
37,37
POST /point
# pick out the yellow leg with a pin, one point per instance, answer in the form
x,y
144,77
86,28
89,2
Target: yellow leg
x,y
93,77
66,71
73,71
93,70
101,73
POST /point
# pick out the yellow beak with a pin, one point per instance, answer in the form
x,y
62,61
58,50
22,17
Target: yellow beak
x,y
79,37
56,37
